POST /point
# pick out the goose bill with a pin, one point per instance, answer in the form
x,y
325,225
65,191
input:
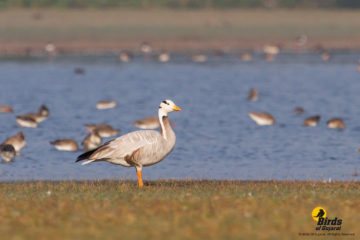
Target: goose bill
x,y
176,108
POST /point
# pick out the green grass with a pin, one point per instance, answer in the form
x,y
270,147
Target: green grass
x,y
172,209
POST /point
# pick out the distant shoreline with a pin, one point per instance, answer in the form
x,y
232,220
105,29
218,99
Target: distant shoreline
x,y
191,46
112,30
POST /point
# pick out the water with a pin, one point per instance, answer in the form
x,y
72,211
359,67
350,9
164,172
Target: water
x,y
215,137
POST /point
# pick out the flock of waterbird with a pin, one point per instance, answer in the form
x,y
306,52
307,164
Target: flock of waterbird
x,y
264,118
143,147
134,149
270,52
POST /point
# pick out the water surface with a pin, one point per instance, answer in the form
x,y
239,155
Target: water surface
x,y
215,137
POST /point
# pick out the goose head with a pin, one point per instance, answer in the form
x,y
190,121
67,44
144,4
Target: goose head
x,y
167,106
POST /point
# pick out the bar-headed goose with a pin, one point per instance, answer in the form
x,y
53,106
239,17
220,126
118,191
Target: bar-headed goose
x,y
139,148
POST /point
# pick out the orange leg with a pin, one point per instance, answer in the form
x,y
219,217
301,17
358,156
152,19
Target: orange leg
x,y
139,178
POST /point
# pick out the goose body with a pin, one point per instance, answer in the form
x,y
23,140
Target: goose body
x,y
263,118
139,148
336,123
312,121
65,145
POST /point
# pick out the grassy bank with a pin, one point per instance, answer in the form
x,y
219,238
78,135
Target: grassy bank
x,y
109,30
173,209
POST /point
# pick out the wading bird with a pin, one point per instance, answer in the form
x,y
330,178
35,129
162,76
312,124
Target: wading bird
x,y
140,148
7,152
18,141
65,145
106,104
42,114
253,95
312,121
151,122
263,118
6,109
336,123
104,130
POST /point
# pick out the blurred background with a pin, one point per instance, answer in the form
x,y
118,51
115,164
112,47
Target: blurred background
x,y
107,25
299,57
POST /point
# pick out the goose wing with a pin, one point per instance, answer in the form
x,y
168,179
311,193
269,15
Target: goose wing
x,y
126,145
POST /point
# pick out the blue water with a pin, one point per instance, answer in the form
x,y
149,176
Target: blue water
x,y
215,137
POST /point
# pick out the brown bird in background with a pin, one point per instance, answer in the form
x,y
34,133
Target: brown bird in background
x,y
336,123
6,109
253,95
65,145
262,118
7,152
104,130
312,121
91,141
18,141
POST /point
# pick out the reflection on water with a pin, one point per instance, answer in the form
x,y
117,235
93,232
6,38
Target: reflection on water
x,y
215,137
